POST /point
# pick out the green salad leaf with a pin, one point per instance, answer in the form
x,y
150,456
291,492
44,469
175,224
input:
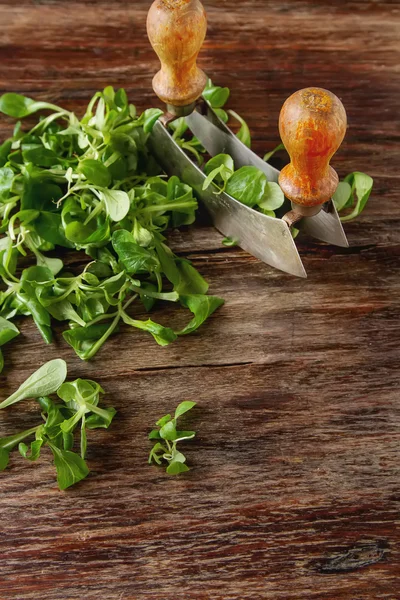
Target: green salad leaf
x,y
244,132
43,382
8,331
80,409
167,437
352,194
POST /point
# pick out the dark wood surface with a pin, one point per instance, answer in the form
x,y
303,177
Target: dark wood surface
x,y
294,492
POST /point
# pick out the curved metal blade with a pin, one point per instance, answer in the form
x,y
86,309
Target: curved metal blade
x,y
217,138
264,237
325,226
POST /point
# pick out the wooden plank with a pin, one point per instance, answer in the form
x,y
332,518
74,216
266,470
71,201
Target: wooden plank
x,y
279,484
294,491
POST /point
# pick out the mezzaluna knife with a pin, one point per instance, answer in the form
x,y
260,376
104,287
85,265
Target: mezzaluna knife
x,y
312,125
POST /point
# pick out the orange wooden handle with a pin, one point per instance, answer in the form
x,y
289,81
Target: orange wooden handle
x,y
176,30
312,124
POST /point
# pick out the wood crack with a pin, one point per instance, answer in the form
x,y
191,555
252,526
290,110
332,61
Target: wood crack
x,y
359,556
178,367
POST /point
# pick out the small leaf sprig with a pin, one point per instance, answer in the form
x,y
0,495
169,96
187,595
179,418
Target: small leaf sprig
x,y
166,451
80,405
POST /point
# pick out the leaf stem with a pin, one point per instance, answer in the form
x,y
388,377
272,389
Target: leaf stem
x,y
170,206
97,345
8,443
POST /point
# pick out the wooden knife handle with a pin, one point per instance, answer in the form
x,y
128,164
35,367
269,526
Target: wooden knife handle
x,y
176,30
312,125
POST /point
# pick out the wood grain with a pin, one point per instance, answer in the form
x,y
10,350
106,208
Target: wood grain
x,y
294,492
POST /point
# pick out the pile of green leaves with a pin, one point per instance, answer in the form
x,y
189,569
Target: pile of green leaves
x,y
165,449
79,408
91,185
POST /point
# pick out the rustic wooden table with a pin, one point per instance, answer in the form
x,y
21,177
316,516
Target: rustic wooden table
x,y
294,492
